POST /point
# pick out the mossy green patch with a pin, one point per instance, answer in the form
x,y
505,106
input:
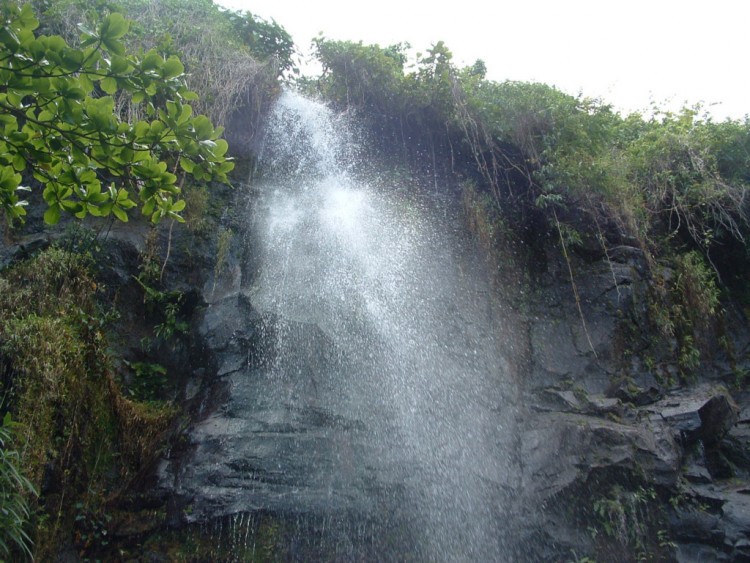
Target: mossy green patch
x,y
79,440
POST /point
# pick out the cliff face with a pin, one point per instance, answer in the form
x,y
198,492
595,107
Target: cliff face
x,y
613,458
615,450
626,456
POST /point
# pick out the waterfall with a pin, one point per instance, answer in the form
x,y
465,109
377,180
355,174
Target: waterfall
x,y
373,413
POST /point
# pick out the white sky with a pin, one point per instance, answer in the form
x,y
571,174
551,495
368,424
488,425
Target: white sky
x,y
628,52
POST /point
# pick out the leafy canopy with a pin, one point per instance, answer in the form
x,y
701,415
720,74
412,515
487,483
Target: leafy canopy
x,y
60,122
535,146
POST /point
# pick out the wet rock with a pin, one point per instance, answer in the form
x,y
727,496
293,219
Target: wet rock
x,y
555,400
271,443
231,324
715,522
638,391
600,405
696,526
718,415
577,401
26,247
669,444
695,470
568,345
705,413
690,553
735,520
584,444
735,446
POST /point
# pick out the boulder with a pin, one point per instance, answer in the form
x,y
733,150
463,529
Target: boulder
x,y
561,450
704,413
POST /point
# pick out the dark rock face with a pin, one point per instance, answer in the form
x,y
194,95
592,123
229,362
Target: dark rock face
x,y
336,428
604,433
592,438
595,448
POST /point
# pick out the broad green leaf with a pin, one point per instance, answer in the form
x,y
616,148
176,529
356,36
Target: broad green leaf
x,y
114,46
108,84
120,65
114,26
27,19
71,59
9,180
19,162
224,167
187,165
151,61
71,134
148,207
203,127
172,68
221,148
120,213
185,114
52,215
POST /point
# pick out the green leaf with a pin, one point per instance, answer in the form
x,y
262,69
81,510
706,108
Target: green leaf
x,y
120,65
27,19
123,199
19,162
108,84
172,68
148,207
185,113
151,61
71,135
221,148
224,167
114,26
9,180
187,165
71,60
203,127
52,215
120,213
114,46
101,112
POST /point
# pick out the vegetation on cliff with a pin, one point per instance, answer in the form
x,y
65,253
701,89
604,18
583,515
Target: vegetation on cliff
x,y
102,118
79,440
568,171
61,125
566,186
98,116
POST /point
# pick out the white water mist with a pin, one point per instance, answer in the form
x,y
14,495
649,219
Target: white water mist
x,y
403,353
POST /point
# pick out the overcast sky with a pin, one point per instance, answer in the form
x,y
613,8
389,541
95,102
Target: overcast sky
x,y
627,52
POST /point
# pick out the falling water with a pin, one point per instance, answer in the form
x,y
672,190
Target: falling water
x,y
377,416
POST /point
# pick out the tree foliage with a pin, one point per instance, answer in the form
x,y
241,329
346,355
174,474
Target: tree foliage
x,y
60,123
535,147
266,40
363,76
232,59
